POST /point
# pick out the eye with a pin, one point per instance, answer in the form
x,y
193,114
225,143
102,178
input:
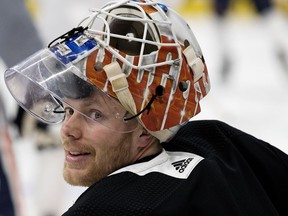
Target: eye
x,y
96,115
68,111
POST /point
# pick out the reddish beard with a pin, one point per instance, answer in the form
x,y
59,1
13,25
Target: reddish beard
x,y
102,162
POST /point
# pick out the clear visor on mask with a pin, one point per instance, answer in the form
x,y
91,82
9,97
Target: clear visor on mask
x,y
46,87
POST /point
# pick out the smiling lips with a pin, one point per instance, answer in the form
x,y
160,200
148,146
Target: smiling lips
x,y
77,153
75,156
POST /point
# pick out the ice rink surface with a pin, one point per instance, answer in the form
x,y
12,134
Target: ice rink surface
x,y
253,97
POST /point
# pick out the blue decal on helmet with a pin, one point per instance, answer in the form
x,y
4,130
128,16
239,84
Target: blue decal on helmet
x,y
73,49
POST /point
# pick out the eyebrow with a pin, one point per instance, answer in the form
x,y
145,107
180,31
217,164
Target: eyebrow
x,y
99,100
86,102
102,101
83,101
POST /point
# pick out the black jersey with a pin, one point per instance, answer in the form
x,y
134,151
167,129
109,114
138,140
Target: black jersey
x,y
208,168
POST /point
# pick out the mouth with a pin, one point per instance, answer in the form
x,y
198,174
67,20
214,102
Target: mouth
x,y
76,156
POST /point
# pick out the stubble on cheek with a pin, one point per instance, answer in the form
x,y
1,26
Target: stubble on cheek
x,y
107,160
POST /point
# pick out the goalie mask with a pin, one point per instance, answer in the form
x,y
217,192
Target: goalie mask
x,y
141,53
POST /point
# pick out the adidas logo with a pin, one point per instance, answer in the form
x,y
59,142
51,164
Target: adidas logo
x,y
182,164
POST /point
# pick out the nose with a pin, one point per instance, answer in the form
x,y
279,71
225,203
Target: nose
x,y
72,127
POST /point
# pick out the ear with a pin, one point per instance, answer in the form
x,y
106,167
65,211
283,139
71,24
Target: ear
x,y
144,139
146,144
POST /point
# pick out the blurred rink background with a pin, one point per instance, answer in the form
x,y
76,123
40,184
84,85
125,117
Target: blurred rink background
x,y
247,58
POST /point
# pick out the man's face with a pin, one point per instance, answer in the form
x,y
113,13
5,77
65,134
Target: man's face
x,y
92,149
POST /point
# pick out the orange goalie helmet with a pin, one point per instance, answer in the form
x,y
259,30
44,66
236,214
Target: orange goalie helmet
x,y
140,52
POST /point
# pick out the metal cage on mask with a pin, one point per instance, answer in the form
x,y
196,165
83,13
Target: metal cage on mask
x,y
140,52
145,45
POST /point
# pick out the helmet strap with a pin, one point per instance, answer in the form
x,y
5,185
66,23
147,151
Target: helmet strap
x,y
194,62
120,86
